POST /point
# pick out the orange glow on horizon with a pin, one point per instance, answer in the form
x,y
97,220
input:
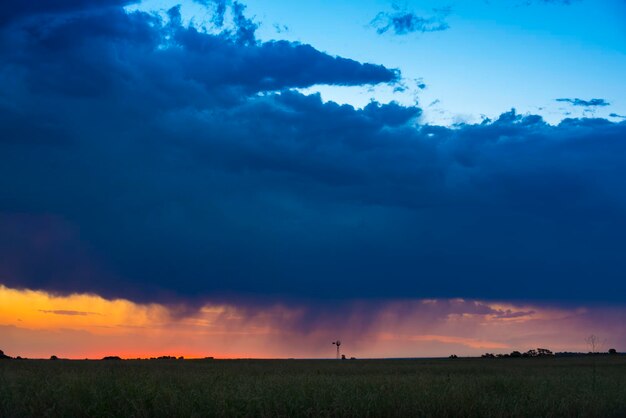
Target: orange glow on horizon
x,y
37,324
40,310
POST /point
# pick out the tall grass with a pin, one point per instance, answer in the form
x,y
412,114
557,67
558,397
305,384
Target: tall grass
x,y
547,387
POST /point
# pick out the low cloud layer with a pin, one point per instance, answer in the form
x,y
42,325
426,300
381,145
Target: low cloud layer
x,y
67,312
146,159
585,103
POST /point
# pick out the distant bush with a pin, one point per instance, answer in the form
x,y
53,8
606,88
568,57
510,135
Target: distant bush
x,y
540,352
612,351
53,357
4,356
111,358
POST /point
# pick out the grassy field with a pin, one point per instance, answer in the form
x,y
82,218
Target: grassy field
x,y
540,387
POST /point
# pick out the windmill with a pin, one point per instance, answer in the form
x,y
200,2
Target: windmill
x,y
337,343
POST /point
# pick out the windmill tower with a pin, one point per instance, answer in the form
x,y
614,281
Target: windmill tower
x,y
337,343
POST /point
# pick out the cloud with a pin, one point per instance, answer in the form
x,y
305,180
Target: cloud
x,y
403,22
219,10
145,159
280,28
585,103
67,312
17,10
563,2
559,1
615,115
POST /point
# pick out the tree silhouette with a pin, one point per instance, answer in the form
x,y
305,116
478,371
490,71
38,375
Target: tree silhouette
x,y
530,353
594,343
543,352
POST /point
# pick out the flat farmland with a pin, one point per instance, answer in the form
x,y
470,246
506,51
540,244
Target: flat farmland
x,y
589,386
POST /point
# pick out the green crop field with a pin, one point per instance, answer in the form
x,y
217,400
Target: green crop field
x,y
537,387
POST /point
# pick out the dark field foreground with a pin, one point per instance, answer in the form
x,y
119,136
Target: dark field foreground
x,y
540,387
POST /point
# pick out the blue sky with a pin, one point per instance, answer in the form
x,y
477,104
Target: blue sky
x,y
494,56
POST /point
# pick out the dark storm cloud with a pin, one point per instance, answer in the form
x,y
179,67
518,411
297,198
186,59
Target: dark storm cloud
x,y
17,10
585,103
402,22
150,160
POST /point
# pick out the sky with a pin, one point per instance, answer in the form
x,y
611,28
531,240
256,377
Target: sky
x,y
259,178
476,58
